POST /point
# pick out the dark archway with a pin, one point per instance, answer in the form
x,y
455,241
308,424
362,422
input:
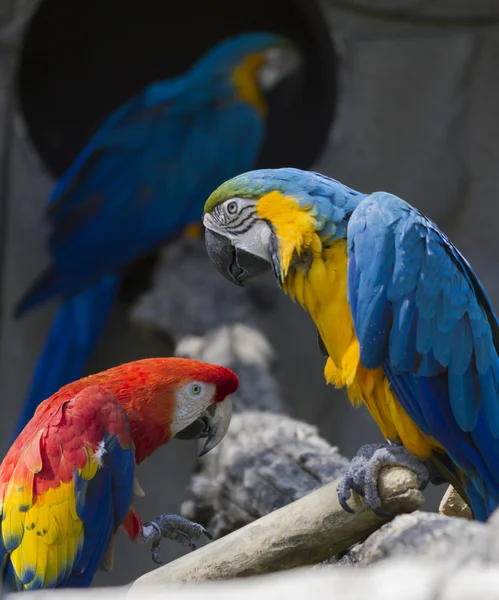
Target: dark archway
x,y
82,59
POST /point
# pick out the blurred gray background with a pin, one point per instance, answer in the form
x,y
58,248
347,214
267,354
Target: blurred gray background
x,y
417,114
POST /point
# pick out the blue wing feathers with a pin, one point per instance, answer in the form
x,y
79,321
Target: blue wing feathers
x,y
421,313
102,504
464,396
130,201
139,181
428,395
402,389
96,512
405,326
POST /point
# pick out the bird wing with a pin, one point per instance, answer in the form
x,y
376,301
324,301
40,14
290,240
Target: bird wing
x,y
65,491
147,173
421,313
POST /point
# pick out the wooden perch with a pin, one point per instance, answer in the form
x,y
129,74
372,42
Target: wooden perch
x,y
305,532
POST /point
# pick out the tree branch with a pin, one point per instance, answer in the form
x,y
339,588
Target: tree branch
x,y
305,532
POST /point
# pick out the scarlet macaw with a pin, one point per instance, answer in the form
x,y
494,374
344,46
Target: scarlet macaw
x,y
67,482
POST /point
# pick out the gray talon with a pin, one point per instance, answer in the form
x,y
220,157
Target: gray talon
x,y
363,472
156,553
172,527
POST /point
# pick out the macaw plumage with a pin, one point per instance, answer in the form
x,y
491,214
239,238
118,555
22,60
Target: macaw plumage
x,y
404,321
67,482
141,179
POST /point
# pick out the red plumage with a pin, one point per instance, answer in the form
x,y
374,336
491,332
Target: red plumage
x,y
144,388
67,482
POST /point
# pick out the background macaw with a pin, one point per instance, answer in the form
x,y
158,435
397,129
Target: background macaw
x,y
140,180
67,482
403,319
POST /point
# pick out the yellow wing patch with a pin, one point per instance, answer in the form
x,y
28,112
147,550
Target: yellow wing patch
x,y
44,534
294,226
90,469
322,291
53,536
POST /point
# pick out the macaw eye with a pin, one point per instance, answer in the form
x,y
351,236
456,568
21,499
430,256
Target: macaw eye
x,y
232,207
195,389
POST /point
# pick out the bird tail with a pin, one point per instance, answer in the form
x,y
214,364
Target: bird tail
x,y
482,499
75,331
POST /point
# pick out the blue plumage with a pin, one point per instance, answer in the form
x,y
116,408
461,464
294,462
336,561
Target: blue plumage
x,y
421,314
140,180
102,503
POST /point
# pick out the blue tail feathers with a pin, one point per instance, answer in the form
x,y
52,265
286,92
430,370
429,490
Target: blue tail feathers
x,y
75,331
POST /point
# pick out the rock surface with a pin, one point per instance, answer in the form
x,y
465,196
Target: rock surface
x,y
425,535
189,297
266,461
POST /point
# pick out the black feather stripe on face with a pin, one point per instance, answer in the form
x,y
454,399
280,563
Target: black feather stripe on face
x,y
275,258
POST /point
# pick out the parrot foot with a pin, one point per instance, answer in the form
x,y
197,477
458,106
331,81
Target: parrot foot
x,y
172,527
362,474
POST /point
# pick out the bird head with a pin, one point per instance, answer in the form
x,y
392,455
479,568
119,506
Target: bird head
x,y
270,218
254,63
175,397
203,407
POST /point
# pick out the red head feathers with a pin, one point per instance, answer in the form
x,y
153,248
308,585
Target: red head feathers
x,y
162,398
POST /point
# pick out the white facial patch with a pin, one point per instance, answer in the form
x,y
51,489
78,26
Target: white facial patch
x,y
256,240
189,406
242,227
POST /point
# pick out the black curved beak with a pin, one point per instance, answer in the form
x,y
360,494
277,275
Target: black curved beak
x,y
234,264
200,428
212,425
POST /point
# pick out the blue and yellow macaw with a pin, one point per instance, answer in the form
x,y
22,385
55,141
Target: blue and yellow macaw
x,y
404,321
142,179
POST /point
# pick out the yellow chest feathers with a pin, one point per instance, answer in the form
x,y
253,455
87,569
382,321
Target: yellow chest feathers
x,y
318,280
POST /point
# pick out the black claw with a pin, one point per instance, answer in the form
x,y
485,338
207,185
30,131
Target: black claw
x,y
156,553
358,489
437,480
346,507
207,534
384,514
424,485
344,495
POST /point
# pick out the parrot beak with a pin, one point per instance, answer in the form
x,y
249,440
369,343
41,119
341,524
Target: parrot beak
x,y
219,425
212,424
234,264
